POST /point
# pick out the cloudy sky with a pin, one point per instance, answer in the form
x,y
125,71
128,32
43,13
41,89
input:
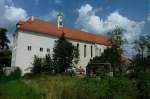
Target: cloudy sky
x,y
96,16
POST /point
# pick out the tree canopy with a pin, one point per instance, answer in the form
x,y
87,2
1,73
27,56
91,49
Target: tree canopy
x,y
5,53
3,39
65,54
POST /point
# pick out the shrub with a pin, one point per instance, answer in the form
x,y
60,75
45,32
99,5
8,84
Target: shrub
x,y
16,74
47,64
143,85
37,66
122,88
42,65
28,75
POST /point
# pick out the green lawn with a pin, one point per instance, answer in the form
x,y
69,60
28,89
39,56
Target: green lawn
x,y
67,87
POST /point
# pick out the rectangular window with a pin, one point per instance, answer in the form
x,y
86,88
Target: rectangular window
x,y
29,48
48,50
41,49
91,51
99,52
84,50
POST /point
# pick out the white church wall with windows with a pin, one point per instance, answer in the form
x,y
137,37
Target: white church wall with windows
x,y
30,44
27,44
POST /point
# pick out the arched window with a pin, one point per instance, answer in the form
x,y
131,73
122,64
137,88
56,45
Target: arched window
x,y
84,50
78,46
91,51
99,52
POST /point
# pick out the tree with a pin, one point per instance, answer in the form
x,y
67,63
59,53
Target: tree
x,y
116,37
113,53
3,39
141,60
141,66
5,53
47,64
37,66
65,54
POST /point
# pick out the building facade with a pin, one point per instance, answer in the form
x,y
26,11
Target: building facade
x,y
37,37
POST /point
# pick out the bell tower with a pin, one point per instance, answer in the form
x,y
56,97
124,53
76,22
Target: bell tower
x,y
60,20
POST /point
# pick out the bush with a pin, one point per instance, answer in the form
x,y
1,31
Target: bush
x,y
122,88
16,74
28,75
143,85
47,64
37,66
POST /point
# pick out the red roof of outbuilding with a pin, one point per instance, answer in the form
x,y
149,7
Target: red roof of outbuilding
x,y
41,26
126,60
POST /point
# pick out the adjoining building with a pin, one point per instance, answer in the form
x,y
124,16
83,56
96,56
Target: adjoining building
x,y
37,37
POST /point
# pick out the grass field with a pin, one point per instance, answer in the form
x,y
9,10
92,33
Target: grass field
x,y
67,87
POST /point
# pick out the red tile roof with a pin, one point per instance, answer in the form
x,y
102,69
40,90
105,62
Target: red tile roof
x,y
126,60
41,26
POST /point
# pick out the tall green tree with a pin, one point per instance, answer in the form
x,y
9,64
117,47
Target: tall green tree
x,y
141,60
47,64
3,39
37,65
141,66
113,53
65,54
5,53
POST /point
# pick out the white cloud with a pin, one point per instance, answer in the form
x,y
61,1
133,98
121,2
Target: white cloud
x,y
10,15
89,21
148,17
51,16
13,14
58,1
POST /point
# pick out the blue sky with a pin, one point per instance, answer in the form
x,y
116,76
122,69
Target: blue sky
x,y
136,10
95,16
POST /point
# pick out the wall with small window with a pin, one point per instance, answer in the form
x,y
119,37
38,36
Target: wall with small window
x,y
87,51
30,44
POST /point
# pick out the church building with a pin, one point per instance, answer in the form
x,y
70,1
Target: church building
x,y
37,37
